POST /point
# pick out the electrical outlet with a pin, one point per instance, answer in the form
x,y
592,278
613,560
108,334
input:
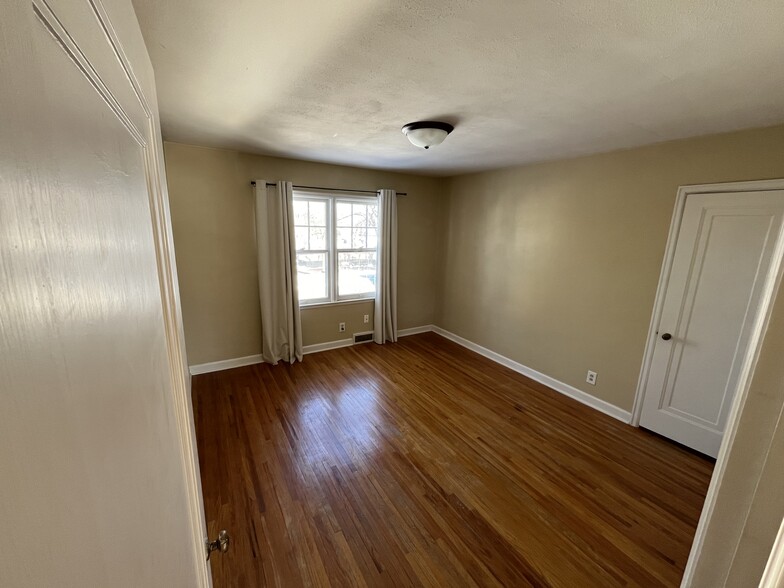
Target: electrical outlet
x,y
367,318
342,327
591,378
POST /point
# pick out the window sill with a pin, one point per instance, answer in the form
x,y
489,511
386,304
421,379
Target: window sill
x,y
336,303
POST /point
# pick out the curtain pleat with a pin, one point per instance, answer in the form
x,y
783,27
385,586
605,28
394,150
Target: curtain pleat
x,y
281,328
385,317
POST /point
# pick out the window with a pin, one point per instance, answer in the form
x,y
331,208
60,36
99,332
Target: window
x,y
336,238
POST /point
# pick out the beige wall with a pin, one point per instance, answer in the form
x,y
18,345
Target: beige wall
x,y
555,265
320,324
212,217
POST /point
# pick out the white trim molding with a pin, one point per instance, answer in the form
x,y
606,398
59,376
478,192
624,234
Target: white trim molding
x,y
224,364
773,576
319,347
227,364
558,386
415,330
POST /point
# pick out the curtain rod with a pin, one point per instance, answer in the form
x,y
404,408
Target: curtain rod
x,y
253,183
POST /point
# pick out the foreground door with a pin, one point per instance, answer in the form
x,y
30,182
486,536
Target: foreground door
x,y
722,259
94,476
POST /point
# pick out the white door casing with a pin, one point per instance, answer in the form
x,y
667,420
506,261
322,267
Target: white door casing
x,y
98,471
723,260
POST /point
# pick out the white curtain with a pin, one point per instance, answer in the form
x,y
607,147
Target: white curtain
x,y
281,329
385,318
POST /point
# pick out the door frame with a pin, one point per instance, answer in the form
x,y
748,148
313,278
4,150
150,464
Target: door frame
x,y
749,363
773,576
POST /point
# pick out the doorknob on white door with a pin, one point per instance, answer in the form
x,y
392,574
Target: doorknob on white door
x,y
666,336
220,544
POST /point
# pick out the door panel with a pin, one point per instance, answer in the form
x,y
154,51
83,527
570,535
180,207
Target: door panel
x,y
92,476
76,25
722,286
722,260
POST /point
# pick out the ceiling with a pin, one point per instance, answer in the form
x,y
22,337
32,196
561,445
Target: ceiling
x,y
521,81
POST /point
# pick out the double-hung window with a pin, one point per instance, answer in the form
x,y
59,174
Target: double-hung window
x,y
336,238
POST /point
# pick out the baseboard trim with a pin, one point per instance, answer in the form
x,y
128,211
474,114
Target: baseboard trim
x,y
414,330
225,364
318,347
558,386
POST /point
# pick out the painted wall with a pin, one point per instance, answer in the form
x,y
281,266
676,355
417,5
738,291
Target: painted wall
x,y
555,265
214,236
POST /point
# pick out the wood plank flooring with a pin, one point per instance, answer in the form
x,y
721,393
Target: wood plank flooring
x,y
423,464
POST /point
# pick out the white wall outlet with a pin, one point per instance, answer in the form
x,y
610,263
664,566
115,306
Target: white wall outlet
x,y
591,378
367,318
342,327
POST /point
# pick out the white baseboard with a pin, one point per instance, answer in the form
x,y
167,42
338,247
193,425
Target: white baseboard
x,y
348,342
558,386
316,347
414,330
225,364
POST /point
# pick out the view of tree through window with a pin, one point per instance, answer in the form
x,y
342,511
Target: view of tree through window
x,y
336,240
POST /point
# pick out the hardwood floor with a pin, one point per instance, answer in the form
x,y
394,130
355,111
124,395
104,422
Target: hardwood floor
x,y
422,463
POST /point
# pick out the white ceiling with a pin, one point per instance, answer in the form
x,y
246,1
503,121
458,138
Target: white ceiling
x,y
521,80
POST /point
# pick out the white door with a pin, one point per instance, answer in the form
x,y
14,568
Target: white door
x,y
96,482
723,258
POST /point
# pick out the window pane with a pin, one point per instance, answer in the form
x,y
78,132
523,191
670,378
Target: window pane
x,y
318,214
358,239
372,239
343,214
343,238
301,237
358,214
372,215
300,212
318,238
356,273
312,276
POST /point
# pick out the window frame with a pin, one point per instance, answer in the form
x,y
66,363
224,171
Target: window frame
x,y
332,198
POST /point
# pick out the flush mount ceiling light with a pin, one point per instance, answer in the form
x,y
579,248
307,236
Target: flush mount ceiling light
x,y
427,133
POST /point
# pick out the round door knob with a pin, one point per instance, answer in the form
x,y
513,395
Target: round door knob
x,y
221,544
666,336
224,540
